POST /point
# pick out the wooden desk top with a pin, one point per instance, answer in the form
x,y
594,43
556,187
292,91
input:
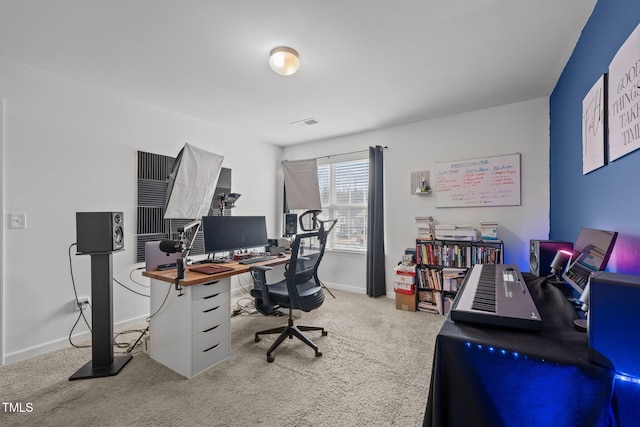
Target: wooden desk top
x,y
195,278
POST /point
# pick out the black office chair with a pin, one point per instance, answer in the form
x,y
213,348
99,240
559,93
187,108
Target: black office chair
x,y
301,289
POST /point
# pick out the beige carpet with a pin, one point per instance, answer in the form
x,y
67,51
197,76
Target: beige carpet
x,y
374,371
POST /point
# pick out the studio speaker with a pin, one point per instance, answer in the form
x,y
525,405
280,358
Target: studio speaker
x,y
98,232
290,224
541,254
613,322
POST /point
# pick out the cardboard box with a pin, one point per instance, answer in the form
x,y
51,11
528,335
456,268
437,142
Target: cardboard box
x,y
405,302
403,277
404,288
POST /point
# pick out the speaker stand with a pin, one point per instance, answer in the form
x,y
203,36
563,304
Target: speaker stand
x,y
103,364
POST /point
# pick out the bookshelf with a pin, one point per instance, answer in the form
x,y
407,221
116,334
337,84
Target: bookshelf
x,y
442,264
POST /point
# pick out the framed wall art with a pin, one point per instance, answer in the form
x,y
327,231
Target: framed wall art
x,y
594,127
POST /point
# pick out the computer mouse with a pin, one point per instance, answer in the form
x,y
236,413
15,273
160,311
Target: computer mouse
x,y
281,255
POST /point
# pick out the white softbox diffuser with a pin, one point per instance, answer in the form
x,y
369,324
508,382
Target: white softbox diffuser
x,y
301,184
192,183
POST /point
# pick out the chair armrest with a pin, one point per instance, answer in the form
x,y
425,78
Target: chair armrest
x,y
259,276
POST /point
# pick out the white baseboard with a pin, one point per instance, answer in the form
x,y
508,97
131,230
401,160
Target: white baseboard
x,y
64,342
126,324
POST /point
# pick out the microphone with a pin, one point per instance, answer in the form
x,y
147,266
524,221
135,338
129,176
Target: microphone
x,y
171,246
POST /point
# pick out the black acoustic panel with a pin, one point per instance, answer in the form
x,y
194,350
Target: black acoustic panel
x,y
153,173
150,220
154,166
152,193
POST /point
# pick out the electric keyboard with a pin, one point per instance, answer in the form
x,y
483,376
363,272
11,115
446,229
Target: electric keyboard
x,y
256,259
496,294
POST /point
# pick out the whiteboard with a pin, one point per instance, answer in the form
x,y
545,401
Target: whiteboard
x,y
488,181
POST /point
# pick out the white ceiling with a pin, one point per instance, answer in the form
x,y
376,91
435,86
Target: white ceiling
x,y
366,64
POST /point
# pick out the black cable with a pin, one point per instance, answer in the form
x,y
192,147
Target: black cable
x,y
247,307
75,292
163,302
132,344
129,289
71,332
134,281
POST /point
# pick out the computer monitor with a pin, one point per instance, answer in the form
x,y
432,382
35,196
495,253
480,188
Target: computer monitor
x,y
591,253
230,233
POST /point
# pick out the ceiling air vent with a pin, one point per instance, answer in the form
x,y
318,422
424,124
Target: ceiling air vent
x,y
304,123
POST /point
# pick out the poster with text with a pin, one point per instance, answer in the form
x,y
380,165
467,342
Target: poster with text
x,y
624,98
593,128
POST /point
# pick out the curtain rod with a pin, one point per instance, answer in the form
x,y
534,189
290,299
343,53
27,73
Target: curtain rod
x,y
345,154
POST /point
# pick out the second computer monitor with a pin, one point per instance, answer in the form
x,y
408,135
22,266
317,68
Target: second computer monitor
x,y
230,233
591,253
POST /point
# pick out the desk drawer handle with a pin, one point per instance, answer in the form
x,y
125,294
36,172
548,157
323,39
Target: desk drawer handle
x,y
210,348
211,296
210,329
211,309
210,283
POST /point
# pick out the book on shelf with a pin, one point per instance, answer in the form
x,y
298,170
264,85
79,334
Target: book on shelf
x,y
456,232
452,278
429,278
447,303
439,297
457,254
425,227
428,307
434,301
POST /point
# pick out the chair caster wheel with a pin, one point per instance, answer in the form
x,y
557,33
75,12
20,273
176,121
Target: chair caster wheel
x,y
318,354
269,358
324,333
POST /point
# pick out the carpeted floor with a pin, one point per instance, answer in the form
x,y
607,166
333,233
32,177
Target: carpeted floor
x,y
374,371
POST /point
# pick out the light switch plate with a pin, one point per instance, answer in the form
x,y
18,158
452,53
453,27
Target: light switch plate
x,y
18,220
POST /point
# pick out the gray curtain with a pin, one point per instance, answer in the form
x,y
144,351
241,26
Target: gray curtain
x,y
375,228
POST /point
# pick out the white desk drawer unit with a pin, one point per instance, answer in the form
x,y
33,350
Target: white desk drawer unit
x,y
210,325
210,348
192,332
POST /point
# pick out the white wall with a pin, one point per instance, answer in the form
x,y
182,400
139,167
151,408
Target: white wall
x,y
517,128
70,147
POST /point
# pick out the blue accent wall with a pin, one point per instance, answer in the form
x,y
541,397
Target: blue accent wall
x,y
609,197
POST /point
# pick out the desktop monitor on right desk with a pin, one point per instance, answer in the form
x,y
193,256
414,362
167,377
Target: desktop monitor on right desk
x,y
591,253
230,233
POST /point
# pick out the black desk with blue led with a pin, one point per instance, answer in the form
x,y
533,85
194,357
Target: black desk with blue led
x,y
484,376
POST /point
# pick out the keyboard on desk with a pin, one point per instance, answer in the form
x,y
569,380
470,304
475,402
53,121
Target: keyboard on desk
x,y
496,294
256,259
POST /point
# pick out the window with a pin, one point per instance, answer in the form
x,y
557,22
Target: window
x,y
344,190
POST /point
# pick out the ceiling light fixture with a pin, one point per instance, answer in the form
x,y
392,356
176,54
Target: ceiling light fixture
x,y
284,60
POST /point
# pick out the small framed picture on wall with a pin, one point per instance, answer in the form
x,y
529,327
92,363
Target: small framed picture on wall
x,y
594,127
